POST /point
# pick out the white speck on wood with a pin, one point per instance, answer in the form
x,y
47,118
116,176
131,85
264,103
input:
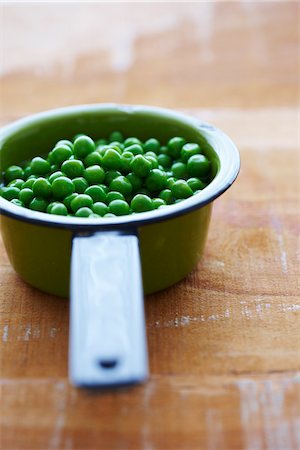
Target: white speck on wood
x,y
227,313
286,308
36,332
246,311
276,428
249,408
255,308
213,317
27,333
185,320
53,332
279,238
5,333
214,425
60,404
264,402
149,390
146,435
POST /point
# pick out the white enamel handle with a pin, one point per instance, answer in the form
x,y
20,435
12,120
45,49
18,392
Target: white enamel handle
x,y
107,325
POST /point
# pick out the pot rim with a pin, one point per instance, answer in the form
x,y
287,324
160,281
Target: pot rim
x,y
222,145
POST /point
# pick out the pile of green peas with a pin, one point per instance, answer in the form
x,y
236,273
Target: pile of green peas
x,y
108,177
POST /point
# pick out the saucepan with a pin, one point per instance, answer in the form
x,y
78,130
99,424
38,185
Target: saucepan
x,y
106,264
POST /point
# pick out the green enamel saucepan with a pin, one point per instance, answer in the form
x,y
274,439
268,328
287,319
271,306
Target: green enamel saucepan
x,y
105,264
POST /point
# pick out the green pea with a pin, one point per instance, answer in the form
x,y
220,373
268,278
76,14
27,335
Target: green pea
x,y
121,184
109,215
135,149
96,192
50,205
179,170
174,146
54,168
157,202
112,159
67,200
55,175
83,145
27,172
156,181
62,187
111,175
181,190
198,166
165,161
92,159
80,185
83,212
154,155
196,184
119,207
132,141
126,157
167,196
141,203
135,181
38,204
39,166
77,136
28,183
164,150
81,201
189,150
102,149
18,182
50,158
152,145
42,188
94,174
170,182
100,208
9,193
61,153
116,136
117,146
101,142
104,187
64,142
153,161
26,195
59,209
114,195
17,202
140,166
73,168
13,172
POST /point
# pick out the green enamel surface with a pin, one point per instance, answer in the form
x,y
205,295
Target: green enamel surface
x,y
41,254
171,249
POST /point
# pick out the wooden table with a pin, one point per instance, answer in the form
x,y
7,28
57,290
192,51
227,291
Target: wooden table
x,y
224,344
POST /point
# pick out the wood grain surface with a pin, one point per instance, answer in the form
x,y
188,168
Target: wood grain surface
x,y
224,344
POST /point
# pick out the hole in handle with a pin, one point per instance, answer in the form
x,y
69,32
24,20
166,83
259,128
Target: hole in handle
x,y
108,363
